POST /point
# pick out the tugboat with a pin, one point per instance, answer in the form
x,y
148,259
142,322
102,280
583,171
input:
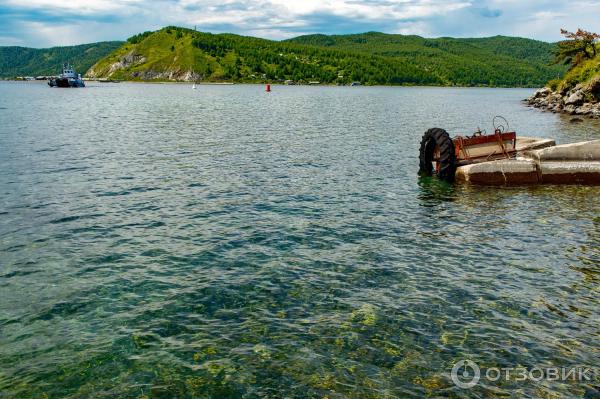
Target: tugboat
x,y
68,78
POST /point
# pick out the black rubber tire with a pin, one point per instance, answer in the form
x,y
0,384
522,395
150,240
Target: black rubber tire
x,y
437,138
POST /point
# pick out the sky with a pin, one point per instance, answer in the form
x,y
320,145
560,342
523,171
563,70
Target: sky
x,y
45,23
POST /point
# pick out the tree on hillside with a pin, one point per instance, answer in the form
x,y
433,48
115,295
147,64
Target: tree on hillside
x,y
579,46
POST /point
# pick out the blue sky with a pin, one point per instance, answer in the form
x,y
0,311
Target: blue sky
x,y
43,23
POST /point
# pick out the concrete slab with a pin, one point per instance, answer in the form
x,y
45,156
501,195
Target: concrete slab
x,y
533,143
500,173
574,172
577,163
583,151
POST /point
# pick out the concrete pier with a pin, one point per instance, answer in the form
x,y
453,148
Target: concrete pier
x,y
500,173
533,143
583,151
577,163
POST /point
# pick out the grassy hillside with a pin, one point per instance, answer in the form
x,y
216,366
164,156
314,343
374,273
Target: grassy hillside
x,y
498,60
182,54
578,93
371,58
23,61
584,73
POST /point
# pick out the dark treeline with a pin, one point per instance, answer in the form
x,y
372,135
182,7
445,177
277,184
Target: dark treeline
x,y
493,61
248,57
24,61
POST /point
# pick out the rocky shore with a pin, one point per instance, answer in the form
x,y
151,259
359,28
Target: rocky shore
x,y
582,99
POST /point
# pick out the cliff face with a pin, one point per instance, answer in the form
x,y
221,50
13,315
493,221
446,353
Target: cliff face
x,y
583,99
163,55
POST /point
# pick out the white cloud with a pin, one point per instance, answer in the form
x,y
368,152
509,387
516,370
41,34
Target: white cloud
x,y
51,22
80,6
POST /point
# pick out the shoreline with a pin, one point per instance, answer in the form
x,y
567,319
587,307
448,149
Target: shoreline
x,y
581,100
116,81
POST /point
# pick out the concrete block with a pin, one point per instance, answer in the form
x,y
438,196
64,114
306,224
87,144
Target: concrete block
x,y
584,151
533,143
502,172
575,172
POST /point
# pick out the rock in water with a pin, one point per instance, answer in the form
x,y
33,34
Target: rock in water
x,y
575,98
543,92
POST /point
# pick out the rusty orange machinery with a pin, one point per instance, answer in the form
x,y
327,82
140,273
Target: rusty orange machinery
x,y
481,147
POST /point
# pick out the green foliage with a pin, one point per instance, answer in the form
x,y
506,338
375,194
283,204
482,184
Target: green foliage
x,y
227,57
285,60
22,61
371,58
580,52
579,46
494,61
554,84
139,37
583,72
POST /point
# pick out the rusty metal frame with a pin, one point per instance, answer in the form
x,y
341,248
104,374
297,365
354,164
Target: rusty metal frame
x,y
461,145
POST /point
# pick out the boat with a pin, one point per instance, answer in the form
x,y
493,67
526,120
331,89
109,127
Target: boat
x,y
194,86
68,78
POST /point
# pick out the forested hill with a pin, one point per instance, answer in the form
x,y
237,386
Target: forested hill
x,y
23,61
174,53
372,58
498,60
182,54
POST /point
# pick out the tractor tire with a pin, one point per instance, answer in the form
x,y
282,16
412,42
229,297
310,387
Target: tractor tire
x,y
432,139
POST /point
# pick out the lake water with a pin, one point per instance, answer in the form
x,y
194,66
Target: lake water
x,y
163,242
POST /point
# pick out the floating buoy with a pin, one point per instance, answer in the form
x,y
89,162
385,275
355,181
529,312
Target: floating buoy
x,y
268,88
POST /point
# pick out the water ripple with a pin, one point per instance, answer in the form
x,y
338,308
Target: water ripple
x,y
230,244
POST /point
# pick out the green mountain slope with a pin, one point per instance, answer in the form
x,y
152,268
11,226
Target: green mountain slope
x,y
498,60
371,58
183,54
23,61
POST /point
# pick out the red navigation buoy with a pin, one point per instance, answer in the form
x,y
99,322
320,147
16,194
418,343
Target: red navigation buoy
x,y
268,88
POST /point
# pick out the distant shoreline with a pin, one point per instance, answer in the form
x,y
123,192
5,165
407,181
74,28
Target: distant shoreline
x,y
276,84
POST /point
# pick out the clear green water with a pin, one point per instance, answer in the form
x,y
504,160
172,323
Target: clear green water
x,y
161,242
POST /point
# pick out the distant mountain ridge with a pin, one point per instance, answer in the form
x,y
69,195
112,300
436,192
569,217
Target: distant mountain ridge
x,y
180,54
174,53
503,60
396,44
24,61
